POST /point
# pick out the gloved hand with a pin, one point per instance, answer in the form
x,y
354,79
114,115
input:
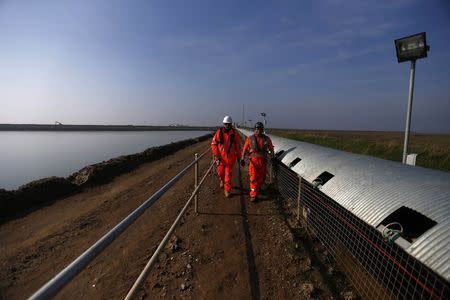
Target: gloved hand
x,y
242,162
217,160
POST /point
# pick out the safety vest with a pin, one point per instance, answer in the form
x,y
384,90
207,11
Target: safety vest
x,y
221,142
255,146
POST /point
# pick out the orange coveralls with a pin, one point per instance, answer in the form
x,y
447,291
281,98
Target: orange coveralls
x,y
258,161
226,146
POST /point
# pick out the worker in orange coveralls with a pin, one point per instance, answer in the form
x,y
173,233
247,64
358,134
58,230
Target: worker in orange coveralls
x,y
226,148
260,147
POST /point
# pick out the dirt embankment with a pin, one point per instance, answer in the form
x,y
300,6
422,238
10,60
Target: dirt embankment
x,y
231,249
44,191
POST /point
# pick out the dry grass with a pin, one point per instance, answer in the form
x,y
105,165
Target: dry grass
x,y
433,149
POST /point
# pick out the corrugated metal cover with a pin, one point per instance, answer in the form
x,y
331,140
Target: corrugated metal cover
x,y
373,188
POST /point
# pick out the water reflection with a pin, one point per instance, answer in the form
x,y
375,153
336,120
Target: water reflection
x,y
27,156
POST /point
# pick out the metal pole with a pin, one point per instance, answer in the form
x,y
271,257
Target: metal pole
x,y
135,288
243,114
299,197
196,183
408,113
69,272
270,166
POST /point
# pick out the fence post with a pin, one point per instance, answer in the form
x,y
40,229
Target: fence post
x,y
196,183
298,197
270,172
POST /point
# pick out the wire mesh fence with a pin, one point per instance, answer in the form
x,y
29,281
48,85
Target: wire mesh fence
x,y
376,268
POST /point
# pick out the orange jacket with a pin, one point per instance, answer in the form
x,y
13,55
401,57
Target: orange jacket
x,y
263,145
226,145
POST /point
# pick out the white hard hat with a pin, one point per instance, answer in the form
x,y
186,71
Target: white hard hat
x,y
227,119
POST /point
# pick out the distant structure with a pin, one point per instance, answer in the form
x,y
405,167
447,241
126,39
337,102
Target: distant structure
x,y
58,123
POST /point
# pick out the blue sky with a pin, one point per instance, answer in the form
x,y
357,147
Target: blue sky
x,y
307,64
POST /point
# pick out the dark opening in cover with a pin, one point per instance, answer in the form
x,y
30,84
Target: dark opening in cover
x,y
294,162
414,223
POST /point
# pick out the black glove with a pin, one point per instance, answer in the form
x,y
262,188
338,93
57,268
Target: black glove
x,y
242,162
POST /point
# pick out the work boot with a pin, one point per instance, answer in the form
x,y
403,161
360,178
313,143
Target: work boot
x,y
221,184
227,194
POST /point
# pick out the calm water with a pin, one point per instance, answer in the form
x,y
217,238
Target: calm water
x,y
27,156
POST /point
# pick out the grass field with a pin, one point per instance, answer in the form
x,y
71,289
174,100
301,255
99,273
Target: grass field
x,y
433,149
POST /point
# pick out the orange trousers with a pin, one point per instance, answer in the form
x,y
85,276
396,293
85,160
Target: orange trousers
x,y
257,170
225,172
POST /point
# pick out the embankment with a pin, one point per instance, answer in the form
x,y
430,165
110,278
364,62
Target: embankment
x,y
68,127
42,192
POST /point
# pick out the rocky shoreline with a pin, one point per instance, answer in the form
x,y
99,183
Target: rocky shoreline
x,y
38,193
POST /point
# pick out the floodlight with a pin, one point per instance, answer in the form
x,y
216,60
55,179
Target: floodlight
x,y
263,114
412,47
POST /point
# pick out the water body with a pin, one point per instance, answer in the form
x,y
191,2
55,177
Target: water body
x,y
31,155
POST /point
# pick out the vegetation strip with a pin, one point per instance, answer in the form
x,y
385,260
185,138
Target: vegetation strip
x,y
433,149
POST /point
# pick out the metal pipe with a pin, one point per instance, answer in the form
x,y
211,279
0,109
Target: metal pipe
x,y
412,73
134,289
68,273
196,183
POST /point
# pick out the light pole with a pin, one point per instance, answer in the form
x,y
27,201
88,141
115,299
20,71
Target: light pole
x,y
263,114
243,115
410,48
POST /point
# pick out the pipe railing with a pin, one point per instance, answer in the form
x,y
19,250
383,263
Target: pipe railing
x,y
137,284
55,284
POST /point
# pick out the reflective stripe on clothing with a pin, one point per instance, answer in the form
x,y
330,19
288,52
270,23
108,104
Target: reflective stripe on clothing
x,y
258,146
255,146
225,173
257,178
226,145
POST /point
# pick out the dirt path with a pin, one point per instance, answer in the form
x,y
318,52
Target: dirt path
x,y
232,249
235,249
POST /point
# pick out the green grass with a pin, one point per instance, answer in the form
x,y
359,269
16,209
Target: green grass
x,y
433,149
